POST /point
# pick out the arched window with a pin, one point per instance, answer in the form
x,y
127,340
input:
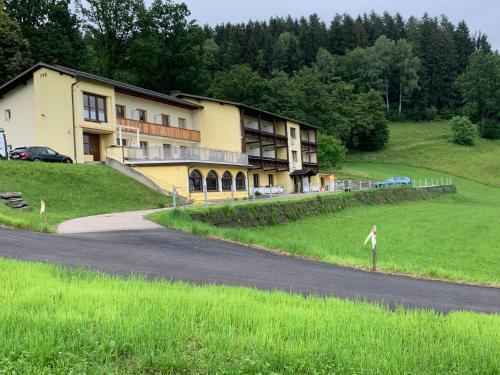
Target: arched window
x,y
240,181
195,181
212,181
227,181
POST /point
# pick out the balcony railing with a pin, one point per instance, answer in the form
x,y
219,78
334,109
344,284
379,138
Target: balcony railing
x,y
181,154
160,130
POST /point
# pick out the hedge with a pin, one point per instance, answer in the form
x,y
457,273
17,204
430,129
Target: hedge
x,y
274,212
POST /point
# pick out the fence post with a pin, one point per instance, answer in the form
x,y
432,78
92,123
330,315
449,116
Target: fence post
x,y
174,203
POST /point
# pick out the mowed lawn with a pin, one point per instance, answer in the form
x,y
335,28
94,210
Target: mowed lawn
x,y
59,321
428,145
70,191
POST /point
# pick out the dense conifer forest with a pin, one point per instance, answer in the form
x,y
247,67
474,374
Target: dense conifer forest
x,y
347,75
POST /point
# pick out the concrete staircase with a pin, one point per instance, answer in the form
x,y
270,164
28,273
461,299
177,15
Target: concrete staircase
x,y
139,177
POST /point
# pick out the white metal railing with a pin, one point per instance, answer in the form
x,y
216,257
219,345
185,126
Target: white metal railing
x,y
183,154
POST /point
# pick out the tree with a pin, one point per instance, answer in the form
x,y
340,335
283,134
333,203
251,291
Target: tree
x,y
406,66
331,152
463,131
480,87
52,30
369,125
14,48
287,54
325,64
111,25
240,84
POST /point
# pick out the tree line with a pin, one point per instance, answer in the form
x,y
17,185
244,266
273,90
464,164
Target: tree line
x,y
346,77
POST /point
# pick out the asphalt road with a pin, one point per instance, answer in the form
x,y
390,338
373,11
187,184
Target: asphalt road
x,y
163,253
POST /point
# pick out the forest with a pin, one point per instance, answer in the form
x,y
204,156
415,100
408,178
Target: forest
x,y
348,76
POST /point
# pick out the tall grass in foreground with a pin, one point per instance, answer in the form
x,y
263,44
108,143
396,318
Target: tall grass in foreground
x,y
54,320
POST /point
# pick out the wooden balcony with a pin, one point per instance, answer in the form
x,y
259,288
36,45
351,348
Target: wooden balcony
x,y
160,130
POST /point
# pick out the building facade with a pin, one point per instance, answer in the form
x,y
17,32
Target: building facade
x,y
203,148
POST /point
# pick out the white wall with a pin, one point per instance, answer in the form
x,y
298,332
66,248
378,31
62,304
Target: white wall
x,y
20,129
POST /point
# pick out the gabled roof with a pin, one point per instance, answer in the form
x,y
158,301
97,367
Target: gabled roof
x,y
180,94
27,74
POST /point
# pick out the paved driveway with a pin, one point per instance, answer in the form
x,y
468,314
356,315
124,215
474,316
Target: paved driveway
x,y
134,220
163,253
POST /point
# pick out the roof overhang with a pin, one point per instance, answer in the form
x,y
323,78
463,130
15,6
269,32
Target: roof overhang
x,y
303,172
118,86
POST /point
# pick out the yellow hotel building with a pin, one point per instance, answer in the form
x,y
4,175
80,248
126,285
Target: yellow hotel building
x,y
203,147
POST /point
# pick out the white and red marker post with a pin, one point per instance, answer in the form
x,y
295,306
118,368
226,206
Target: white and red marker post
x,y
373,237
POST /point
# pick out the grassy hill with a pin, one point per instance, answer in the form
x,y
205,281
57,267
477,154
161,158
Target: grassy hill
x,y
428,145
70,191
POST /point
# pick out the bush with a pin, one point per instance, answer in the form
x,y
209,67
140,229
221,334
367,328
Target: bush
x,y
393,115
491,129
331,152
428,114
464,131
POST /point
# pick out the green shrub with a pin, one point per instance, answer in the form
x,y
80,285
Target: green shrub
x,y
491,129
464,132
427,114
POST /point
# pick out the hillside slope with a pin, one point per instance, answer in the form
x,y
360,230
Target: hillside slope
x,y
428,145
70,191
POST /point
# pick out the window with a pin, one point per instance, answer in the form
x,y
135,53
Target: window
x,y
167,151
182,123
165,120
144,148
256,182
271,179
8,115
240,182
140,115
212,181
227,181
293,133
195,181
294,156
51,152
94,108
121,111
123,142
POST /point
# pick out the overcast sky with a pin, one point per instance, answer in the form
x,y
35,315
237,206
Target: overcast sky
x,y
480,15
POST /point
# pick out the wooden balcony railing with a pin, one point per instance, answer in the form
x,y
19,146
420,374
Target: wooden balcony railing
x,y
160,130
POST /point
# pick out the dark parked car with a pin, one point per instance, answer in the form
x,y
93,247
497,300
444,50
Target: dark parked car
x,y
14,154
395,181
40,154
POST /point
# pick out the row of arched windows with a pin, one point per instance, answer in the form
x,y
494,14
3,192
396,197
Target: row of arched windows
x,y
212,181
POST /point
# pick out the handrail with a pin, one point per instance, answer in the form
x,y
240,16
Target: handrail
x,y
183,154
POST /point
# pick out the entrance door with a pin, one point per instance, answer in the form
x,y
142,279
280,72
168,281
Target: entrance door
x,y
298,184
91,146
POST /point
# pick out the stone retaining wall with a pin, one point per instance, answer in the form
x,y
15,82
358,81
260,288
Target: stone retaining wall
x,y
260,214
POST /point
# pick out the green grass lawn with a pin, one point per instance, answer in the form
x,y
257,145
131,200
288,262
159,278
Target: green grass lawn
x,y
58,321
453,238
70,191
428,145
